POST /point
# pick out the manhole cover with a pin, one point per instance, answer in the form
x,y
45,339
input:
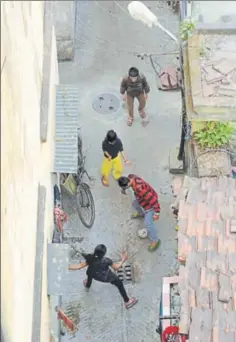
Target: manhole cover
x,y
106,104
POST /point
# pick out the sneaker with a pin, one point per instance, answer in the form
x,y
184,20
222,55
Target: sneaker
x,y
131,303
136,215
154,246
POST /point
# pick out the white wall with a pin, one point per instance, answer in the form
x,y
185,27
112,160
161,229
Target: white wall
x,y
213,11
25,163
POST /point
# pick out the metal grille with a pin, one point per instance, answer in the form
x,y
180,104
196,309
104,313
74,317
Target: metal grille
x,y
67,109
125,273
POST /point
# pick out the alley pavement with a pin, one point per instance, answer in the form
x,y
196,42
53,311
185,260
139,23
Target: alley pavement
x,y
107,43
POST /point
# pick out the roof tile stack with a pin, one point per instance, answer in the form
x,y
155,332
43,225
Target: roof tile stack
x,y
207,249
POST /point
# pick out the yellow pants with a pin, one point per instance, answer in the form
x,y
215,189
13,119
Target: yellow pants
x,y
115,165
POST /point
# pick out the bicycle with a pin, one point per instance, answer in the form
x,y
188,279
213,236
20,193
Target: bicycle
x,y
84,198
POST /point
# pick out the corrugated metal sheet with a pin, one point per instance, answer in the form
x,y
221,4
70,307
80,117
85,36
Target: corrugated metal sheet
x,y
57,268
67,109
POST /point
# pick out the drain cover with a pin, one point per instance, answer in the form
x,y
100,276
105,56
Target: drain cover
x,y
125,273
106,104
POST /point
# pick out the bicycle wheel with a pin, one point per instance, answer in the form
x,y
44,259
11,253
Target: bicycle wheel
x,y
85,205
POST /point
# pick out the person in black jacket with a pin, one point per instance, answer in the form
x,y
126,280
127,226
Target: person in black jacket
x,y
99,268
134,86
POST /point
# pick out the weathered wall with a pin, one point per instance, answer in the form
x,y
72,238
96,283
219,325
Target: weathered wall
x,y
26,162
224,12
64,19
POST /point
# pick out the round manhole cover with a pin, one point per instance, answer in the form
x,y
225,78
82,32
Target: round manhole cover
x,y
106,104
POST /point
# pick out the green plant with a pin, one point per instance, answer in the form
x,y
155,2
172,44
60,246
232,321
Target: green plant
x,y
214,134
186,28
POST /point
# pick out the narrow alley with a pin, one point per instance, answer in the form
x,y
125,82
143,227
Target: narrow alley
x,y
107,43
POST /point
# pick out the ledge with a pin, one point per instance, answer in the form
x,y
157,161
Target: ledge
x,y
47,52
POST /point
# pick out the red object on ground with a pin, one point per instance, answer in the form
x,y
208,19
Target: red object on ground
x,y
172,330
68,322
60,218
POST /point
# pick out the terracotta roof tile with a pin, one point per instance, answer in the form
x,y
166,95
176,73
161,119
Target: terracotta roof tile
x,y
232,225
224,288
176,185
226,336
232,262
207,241
192,298
202,210
182,224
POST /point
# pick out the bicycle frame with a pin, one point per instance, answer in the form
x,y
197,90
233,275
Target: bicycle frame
x,y
81,171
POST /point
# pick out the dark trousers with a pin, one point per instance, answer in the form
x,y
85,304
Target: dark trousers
x,y
117,282
130,103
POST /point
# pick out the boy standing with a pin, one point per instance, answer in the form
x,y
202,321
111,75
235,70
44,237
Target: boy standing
x,y
112,148
134,86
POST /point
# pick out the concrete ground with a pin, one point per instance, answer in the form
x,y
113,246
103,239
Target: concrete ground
x,y
107,41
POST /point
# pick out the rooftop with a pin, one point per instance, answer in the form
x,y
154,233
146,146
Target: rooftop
x,y
207,248
212,70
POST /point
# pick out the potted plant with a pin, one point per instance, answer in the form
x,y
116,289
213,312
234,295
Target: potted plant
x,y
211,145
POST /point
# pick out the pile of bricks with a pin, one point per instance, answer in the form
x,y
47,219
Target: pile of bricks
x,y
207,247
217,78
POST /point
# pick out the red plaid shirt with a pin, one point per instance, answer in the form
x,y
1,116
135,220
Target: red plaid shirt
x,y
145,194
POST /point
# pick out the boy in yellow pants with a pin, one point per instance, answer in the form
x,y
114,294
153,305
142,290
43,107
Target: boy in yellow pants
x,y
112,148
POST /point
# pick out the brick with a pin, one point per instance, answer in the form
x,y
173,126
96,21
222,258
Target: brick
x,y
232,320
211,280
191,182
215,334
203,277
176,185
182,210
232,226
182,226
227,336
202,211
228,227
194,277
218,196
192,244
234,300
171,280
182,194
192,298
213,76
221,244
201,259
225,67
208,226
224,288
217,228
202,298
232,262
204,184
222,263
207,89
182,278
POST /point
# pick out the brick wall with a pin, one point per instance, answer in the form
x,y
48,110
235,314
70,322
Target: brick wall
x,y
26,162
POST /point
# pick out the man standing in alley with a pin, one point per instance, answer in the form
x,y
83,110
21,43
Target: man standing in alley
x,y
146,205
134,85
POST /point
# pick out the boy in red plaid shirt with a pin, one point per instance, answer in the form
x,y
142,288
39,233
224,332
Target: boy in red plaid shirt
x,y
146,205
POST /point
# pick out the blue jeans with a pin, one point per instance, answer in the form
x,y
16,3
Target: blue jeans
x,y
148,220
